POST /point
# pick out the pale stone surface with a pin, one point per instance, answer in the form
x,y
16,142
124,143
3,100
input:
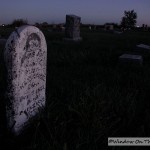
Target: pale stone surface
x,y
130,58
72,29
25,57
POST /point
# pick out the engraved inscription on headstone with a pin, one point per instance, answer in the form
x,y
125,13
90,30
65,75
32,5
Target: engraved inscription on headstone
x,y
72,29
25,56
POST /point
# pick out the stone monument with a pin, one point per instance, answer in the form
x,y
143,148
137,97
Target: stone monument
x,y
72,30
25,57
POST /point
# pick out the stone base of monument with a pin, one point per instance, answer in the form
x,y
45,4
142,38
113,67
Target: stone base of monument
x,y
143,48
131,59
78,39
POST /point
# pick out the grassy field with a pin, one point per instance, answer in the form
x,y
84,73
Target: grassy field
x,y
90,96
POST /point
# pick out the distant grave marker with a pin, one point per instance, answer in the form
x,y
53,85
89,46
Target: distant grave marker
x,y
131,59
25,57
72,30
109,27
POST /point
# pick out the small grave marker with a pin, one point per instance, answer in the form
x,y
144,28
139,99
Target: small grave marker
x,y
131,59
142,48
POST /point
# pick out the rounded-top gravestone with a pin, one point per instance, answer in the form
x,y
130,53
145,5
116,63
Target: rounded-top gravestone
x,y
25,57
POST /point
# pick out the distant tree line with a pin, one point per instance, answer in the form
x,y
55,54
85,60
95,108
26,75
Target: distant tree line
x,y
19,22
128,21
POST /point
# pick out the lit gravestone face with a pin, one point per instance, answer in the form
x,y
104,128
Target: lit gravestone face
x,y
25,57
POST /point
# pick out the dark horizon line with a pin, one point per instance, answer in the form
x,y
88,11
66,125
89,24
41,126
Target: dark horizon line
x,y
60,23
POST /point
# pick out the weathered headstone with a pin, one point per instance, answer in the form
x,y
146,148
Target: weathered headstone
x,y
25,56
72,30
131,59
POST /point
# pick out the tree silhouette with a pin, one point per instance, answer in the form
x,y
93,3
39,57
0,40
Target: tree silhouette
x,y
19,22
129,19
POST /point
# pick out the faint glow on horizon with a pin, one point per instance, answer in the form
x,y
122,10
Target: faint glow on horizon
x,y
91,12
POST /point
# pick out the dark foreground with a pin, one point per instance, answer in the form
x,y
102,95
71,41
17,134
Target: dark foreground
x,y
90,96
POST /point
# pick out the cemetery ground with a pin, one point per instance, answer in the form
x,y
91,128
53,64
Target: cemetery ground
x,y
90,96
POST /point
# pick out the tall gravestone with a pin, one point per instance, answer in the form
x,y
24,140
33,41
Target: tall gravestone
x,y
72,30
25,56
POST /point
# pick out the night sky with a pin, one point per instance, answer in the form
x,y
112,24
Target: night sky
x,y
90,11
